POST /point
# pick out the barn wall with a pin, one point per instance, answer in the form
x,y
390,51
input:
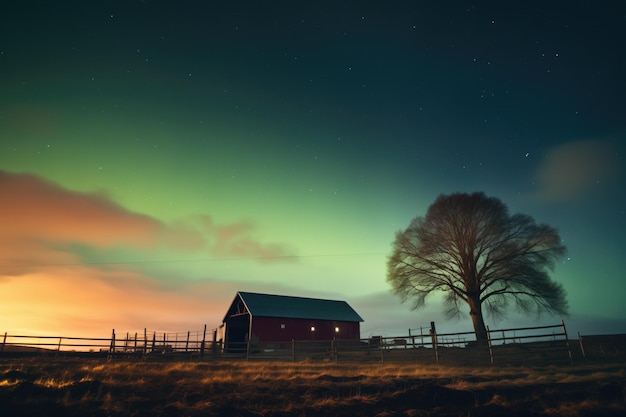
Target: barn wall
x,y
276,329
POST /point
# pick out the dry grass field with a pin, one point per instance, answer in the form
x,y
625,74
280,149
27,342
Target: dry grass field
x,y
80,387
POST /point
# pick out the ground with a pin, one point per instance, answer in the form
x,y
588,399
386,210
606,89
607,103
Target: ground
x,y
97,387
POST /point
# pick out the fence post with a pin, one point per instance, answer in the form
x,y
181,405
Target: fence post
x,y
153,341
187,343
433,336
569,349
58,347
135,347
214,344
112,347
145,341
3,342
489,345
580,342
203,340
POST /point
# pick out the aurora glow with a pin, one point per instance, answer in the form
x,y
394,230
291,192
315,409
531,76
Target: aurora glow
x,y
157,157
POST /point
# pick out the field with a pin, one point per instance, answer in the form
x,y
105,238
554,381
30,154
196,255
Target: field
x,y
81,387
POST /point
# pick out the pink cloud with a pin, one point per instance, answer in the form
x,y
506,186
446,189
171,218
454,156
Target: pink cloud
x,y
39,219
234,240
573,169
36,209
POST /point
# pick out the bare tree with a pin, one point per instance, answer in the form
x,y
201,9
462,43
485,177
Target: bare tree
x,y
469,247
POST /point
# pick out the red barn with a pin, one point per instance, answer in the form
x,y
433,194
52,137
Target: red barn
x,y
279,318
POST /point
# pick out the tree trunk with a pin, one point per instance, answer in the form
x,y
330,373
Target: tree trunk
x,y
476,313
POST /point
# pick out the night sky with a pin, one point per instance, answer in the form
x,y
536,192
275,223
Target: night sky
x,y
157,157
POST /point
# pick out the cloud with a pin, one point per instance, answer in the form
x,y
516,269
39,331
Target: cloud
x,y
234,240
573,169
35,209
42,221
58,273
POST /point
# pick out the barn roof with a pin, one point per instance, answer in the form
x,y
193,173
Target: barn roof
x,y
269,305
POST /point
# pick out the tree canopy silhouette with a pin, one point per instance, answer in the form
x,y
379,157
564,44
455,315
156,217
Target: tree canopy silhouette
x,y
469,247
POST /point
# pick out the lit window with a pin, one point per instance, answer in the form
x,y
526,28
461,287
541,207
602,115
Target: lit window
x,y
336,329
282,326
312,328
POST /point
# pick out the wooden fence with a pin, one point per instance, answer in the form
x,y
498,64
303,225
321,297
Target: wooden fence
x,y
540,344
137,344
529,345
